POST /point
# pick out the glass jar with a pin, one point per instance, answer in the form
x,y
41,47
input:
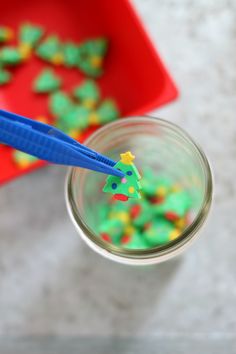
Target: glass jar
x,y
158,144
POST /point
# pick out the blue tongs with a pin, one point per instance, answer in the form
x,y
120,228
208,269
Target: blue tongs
x,y
50,144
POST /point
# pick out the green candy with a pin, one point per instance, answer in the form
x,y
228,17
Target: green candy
x,y
137,241
149,189
10,56
47,81
117,207
50,47
148,182
113,228
159,232
97,46
60,104
5,76
88,91
87,68
177,203
90,56
30,34
22,159
75,118
70,51
163,185
141,213
108,111
103,212
155,185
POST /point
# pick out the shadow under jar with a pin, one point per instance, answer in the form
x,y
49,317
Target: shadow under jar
x,y
164,148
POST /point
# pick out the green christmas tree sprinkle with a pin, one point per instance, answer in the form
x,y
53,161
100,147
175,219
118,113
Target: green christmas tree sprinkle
x,y
47,82
51,50
60,104
70,51
10,56
30,34
128,186
108,111
88,93
91,56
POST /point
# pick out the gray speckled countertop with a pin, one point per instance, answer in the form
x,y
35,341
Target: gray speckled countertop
x,y
51,284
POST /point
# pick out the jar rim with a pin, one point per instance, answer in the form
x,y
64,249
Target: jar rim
x,y
155,254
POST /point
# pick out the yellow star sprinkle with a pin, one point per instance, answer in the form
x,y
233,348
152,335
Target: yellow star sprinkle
x,y
25,50
96,61
161,191
75,134
24,163
129,230
181,223
127,158
123,216
174,234
42,119
89,103
93,118
57,59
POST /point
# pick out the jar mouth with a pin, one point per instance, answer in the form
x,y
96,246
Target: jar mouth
x,y
154,254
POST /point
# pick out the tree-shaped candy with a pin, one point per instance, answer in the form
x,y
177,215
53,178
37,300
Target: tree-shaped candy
x,y
91,56
88,93
10,56
47,81
29,36
70,51
128,186
60,103
51,50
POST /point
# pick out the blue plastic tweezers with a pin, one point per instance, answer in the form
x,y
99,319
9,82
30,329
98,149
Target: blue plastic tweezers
x,y
50,144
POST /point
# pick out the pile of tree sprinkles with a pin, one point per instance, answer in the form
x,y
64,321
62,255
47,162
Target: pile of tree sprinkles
x,y
155,219
74,111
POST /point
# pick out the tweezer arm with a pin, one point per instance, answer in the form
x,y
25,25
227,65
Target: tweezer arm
x,y
50,144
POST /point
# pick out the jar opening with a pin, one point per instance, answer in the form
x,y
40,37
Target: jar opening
x,y
144,134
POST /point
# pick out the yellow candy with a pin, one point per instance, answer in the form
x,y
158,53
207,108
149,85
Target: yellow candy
x,y
42,119
89,103
121,215
9,34
75,134
57,59
93,118
96,61
174,234
161,191
181,223
25,50
129,230
24,163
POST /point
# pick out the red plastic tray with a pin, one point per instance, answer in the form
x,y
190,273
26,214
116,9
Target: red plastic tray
x,y
134,73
